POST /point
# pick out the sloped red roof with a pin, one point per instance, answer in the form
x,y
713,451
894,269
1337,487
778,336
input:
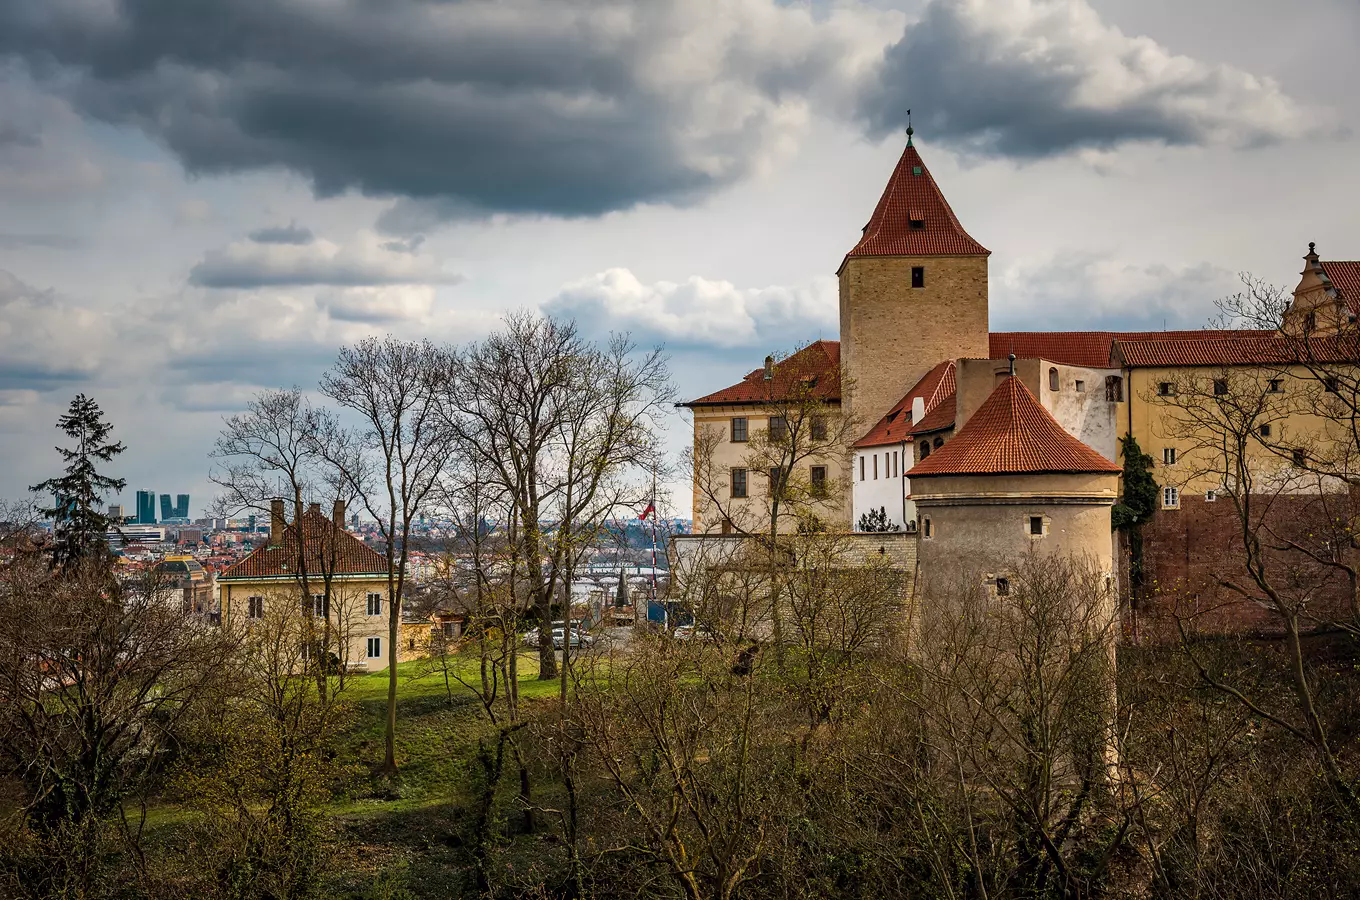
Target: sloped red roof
x,y
913,194
1085,348
1345,277
1011,432
893,428
1257,348
349,556
939,418
818,365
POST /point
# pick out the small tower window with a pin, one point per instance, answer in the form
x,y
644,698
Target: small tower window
x,y
1166,389
916,170
1275,386
918,276
1036,526
1003,587
1299,456
1053,379
926,530
1264,431
1220,386
1332,384
925,449
918,224
1081,386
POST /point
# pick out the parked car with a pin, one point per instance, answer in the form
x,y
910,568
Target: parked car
x,y
692,633
578,639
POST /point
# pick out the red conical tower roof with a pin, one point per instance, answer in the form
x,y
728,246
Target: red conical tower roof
x,y
1012,433
912,194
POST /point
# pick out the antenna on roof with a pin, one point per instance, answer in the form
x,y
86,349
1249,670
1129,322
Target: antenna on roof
x,y
910,130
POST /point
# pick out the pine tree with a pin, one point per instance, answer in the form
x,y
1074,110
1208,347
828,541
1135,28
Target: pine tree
x,y
1136,506
76,513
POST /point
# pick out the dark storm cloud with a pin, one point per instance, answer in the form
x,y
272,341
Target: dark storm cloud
x,y
568,107
255,264
1033,78
37,376
283,234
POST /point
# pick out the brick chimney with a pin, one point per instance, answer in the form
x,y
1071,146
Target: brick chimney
x,y
276,522
314,508
338,514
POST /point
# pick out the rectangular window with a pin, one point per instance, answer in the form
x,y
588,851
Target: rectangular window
x,y
926,529
1275,386
1210,496
1220,386
1171,498
776,482
875,467
918,276
739,483
918,224
375,648
1166,389
374,604
1299,456
1081,386
861,467
318,605
1003,587
896,470
1169,456
1114,389
819,428
818,475
255,607
1264,431
739,430
1332,384
1036,525
779,428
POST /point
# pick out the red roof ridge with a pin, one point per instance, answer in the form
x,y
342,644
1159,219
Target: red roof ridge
x,y
1091,349
912,194
935,388
819,361
351,557
1344,275
1012,433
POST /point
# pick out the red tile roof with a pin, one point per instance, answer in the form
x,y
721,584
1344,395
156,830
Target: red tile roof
x,y
1084,348
939,418
351,556
1011,432
912,194
1256,348
1345,277
818,365
933,388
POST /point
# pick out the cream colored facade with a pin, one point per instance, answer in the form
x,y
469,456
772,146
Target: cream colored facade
x,y
716,507
351,625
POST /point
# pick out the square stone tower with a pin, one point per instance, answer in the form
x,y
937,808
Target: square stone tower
x,y
913,292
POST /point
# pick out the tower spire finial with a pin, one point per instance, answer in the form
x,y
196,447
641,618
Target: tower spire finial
x,y
1012,359
910,130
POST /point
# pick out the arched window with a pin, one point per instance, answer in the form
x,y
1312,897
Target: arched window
x,y
1053,379
939,442
925,449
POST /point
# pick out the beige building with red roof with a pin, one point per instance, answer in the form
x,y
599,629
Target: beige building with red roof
x,y
332,581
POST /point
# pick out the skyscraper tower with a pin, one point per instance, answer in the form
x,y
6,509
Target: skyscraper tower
x,y
181,506
167,508
146,507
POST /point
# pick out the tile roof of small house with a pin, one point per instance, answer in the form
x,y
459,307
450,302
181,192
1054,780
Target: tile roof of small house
x,y
1012,433
912,195
351,556
816,368
895,427
1345,277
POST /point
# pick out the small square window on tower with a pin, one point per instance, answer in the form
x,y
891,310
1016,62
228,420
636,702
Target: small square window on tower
x,y
1003,587
1036,526
918,276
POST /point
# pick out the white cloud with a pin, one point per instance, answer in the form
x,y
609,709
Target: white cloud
x,y
699,311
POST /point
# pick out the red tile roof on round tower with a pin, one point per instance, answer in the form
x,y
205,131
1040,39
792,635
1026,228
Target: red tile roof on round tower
x,y
1012,433
913,195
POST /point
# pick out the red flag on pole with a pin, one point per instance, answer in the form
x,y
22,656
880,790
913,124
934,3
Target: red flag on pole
x,y
651,508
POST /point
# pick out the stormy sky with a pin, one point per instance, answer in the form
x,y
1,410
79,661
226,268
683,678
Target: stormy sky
x,y
200,201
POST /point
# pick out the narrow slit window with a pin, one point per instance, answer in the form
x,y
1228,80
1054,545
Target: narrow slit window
x,y
1036,526
918,276
1053,379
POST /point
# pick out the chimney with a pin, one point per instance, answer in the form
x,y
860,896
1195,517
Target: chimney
x,y
918,409
338,514
769,368
314,508
276,522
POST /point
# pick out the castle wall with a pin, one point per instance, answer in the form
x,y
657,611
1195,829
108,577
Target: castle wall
x,y
892,333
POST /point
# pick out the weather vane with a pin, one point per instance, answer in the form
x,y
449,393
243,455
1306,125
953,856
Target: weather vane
x,y
910,131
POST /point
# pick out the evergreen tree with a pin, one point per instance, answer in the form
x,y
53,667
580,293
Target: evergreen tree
x,y
876,520
77,516
1137,505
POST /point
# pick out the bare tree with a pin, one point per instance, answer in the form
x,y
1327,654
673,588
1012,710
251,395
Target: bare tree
x,y
556,422
395,463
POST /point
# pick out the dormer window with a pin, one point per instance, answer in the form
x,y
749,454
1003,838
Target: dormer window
x,y
918,224
916,170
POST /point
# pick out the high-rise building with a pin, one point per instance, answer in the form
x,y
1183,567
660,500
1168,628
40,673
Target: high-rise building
x,y
167,508
146,508
116,513
181,506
